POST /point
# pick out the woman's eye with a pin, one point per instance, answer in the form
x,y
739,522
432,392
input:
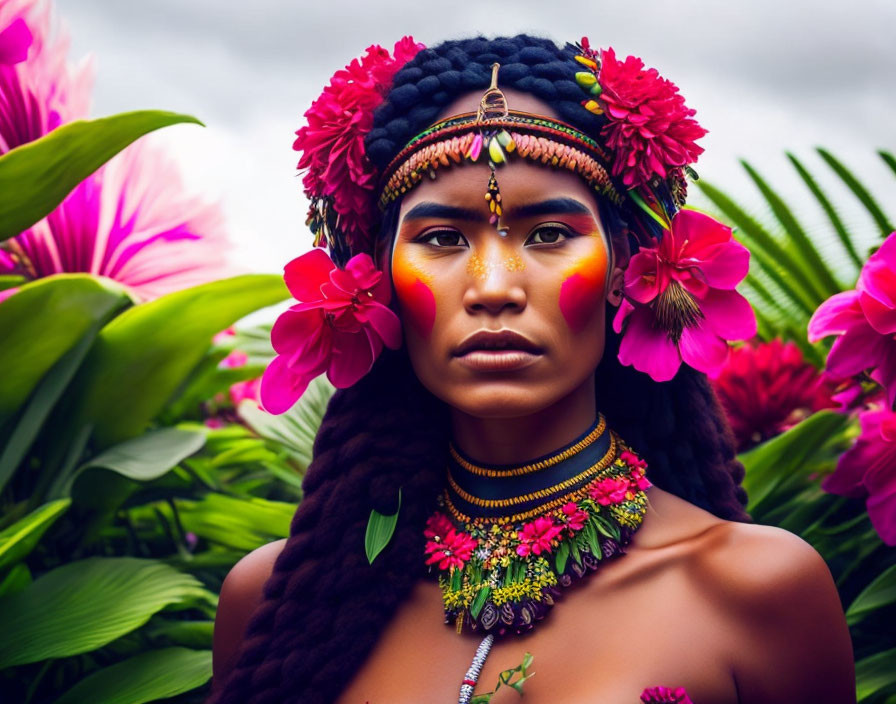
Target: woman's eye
x,y
549,234
443,238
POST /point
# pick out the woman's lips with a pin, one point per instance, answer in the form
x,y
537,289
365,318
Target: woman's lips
x,y
502,360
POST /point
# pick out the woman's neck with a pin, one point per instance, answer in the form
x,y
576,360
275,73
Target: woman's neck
x,y
519,439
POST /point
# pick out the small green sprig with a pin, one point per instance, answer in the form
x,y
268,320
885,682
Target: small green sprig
x,y
514,677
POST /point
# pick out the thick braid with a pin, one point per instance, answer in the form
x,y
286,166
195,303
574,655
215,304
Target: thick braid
x,y
324,605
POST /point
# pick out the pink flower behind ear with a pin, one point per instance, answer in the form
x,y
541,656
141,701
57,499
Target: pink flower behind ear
x,y
680,303
868,470
864,320
339,327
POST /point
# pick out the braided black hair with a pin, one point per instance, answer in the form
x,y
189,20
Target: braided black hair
x,y
324,606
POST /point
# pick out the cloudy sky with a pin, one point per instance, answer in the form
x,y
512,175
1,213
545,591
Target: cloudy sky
x,y
764,75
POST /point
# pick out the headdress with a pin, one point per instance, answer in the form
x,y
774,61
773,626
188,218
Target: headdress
x,y
679,298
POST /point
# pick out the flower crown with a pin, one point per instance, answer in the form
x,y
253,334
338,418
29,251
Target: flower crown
x,y
679,298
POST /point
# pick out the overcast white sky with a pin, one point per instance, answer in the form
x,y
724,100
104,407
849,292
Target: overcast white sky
x,y
764,76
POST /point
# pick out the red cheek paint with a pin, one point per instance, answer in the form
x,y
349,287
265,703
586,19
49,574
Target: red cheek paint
x,y
582,289
416,298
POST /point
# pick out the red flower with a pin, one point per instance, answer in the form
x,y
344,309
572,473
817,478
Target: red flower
x,y
638,479
610,490
536,536
332,143
339,327
651,130
631,459
868,470
452,549
680,303
766,388
437,526
574,517
665,695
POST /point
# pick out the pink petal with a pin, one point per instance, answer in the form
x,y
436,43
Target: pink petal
x,y
383,322
280,387
877,284
836,315
885,373
352,358
881,316
860,348
293,327
729,315
700,230
641,280
702,349
647,348
363,271
724,265
14,42
305,275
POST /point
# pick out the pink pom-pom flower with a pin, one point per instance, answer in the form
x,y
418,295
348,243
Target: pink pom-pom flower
x,y
680,303
332,143
339,327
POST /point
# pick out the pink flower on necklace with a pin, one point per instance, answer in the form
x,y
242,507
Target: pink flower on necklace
x,y
574,517
339,327
865,321
447,547
680,303
665,695
651,130
536,536
868,470
610,490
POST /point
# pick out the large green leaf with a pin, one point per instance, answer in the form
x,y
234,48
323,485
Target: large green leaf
x,y
142,357
156,674
881,592
42,321
789,458
83,605
19,539
244,524
143,458
874,673
296,429
37,176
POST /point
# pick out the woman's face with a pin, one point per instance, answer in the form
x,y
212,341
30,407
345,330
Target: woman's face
x,y
547,281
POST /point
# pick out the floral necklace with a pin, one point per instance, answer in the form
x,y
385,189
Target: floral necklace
x,y
506,539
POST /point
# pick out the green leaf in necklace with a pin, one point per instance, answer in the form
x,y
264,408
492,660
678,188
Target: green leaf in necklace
x,y
379,531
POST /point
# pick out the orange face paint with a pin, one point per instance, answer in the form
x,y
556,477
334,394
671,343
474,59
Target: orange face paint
x,y
414,294
582,288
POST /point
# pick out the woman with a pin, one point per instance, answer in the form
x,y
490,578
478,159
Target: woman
x,y
549,289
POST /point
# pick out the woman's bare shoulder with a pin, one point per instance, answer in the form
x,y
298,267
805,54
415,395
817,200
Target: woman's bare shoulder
x,y
241,593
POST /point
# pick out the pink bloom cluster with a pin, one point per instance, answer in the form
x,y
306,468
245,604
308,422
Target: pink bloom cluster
x,y
650,128
611,490
332,143
537,536
864,321
339,327
446,546
767,388
665,695
680,303
573,517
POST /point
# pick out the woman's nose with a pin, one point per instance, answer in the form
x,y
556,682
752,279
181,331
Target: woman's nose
x,y
495,280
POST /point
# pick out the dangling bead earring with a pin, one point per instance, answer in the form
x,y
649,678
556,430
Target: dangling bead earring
x,y
496,143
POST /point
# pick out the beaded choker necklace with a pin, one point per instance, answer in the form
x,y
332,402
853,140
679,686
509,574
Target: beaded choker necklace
x,y
506,539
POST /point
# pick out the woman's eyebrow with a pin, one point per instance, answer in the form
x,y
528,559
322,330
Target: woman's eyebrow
x,y
429,209
551,206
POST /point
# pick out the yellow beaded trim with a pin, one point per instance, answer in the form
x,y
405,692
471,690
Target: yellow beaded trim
x,y
535,466
576,495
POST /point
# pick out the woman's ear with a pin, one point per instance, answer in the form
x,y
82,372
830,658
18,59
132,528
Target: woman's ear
x,y
617,281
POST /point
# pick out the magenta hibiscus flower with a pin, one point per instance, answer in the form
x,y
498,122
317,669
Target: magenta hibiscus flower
x,y
868,470
339,327
447,547
680,302
864,320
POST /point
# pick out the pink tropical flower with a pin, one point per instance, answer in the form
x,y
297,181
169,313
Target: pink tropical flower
x,y
610,490
451,549
536,536
332,143
631,459
868,470
766,388
574,517
339,327
665,695
680,303
130,220
638,479
864,320
438,525
650,128
249,389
